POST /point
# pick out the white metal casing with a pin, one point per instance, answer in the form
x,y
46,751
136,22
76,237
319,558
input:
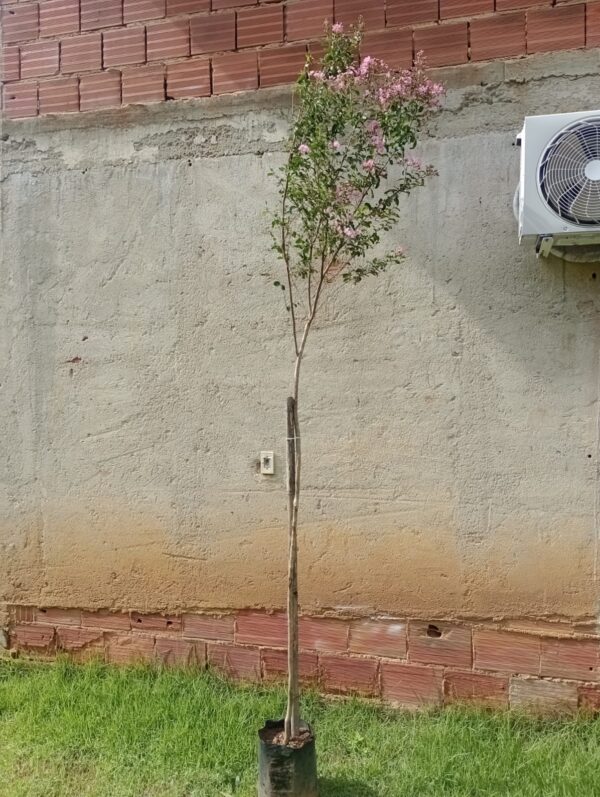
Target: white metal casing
x,y
536,218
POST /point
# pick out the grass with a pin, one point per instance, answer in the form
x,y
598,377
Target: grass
x,y
94,731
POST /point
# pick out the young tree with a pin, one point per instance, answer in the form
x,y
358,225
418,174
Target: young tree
x,y
340,188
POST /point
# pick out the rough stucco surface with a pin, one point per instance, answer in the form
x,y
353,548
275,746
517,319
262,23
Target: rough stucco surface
x,y
450,408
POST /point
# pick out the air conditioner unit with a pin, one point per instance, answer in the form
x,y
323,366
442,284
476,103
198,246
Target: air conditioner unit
x,y
558,199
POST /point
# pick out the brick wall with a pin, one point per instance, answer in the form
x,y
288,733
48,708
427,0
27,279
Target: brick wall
x,y
76,55
411,663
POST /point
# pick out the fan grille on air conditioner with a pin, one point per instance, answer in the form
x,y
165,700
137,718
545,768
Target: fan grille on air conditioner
x,y
569,173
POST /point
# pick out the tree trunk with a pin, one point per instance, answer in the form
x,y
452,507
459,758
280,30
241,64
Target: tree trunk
x,y
292,717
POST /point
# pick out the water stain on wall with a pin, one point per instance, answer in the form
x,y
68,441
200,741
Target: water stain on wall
x,y
124,560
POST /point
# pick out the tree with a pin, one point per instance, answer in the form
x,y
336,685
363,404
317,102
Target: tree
x,y
340,188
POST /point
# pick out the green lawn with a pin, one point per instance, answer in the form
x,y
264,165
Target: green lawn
x,y
78,731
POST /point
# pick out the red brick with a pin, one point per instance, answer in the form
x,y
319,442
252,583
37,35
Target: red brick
x,y
100,90
20,100
124,46
187,6
281,65
143,84
111,621
58,616
348,12
506,652
74,639
204,626
410,686
217,5
179,652
257,26
130,648
260,628
316,52
23,614
323,634
465,8
576,659
235,72
168,39
212,33
32,636
10,71
155,622
560,28
592,25
472,686
443,45
103,14
39,637
142,10
58,17
407,12
589,698
508,5
498,36
452,648
274,665
81,53
60,95
546,697
236,662
306,19
19,23
395,47
378,638
39,59
349,676
188,79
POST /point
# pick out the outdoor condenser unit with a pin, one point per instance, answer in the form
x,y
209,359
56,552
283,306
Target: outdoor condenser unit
x,y
557,203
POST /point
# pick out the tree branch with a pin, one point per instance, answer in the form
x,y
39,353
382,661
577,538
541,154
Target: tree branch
x,y
286,259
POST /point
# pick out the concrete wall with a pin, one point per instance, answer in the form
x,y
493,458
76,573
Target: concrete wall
x,y
450,408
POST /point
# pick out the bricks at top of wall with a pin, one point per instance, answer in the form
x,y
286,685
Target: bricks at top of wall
x,y
62,56
412,663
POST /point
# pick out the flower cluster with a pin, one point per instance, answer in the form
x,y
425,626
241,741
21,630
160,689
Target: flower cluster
x,y
358,119
375,79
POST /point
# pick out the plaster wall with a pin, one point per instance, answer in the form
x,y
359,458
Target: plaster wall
x,y
450,408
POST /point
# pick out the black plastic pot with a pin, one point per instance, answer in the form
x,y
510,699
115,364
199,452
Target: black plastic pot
x,y
285,771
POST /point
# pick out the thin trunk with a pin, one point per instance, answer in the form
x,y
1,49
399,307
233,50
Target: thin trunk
x,y
294,463
292,717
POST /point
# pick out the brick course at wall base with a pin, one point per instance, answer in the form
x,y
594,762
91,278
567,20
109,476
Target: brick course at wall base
x,y
409,663
61,56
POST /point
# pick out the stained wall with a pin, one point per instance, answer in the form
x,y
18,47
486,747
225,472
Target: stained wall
x,y
450,408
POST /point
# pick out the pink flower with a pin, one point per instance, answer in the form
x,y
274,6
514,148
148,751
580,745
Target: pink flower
x,y
341,80
337,28
350,232
367,66
413,163
304,149
376,133
369,165
346,193
335,144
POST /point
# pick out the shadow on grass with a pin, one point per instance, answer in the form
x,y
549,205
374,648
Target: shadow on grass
x,y
342,787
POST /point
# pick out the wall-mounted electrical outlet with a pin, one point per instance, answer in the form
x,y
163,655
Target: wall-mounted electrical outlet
x,y
267,463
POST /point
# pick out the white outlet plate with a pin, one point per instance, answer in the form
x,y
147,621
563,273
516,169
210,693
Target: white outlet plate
x,y
267,463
